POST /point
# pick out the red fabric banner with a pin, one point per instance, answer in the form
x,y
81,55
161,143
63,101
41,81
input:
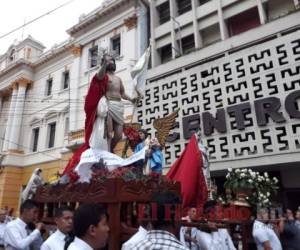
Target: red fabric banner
x,y
187,169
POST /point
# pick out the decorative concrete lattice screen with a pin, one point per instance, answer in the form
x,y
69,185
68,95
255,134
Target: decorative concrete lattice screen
x,y
241,88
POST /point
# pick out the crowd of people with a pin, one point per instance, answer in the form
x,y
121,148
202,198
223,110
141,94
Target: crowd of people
x,y
87,228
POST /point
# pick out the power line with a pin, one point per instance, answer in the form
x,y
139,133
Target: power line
x,y
35,19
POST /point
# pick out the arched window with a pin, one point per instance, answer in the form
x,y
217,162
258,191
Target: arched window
x,y
12,55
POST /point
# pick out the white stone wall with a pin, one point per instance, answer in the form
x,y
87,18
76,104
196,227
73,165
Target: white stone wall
x,y
40,109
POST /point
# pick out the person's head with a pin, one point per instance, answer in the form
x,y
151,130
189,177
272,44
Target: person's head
x,y
165,204
263,214
64,219
192,213
289,214
111,63
29,211
90,225
2,215
297,215
154,143
209,209
38,171
143,134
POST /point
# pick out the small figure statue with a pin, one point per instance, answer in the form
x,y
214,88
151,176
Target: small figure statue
x,y
35,181
143,134
155,156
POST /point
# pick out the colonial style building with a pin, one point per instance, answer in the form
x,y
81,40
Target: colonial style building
x,y
42,93
233,69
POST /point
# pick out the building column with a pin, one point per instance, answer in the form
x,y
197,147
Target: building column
x,y
10,116
154,20
261,12
142,30
173,14
18,115
74,88
197,36
222,24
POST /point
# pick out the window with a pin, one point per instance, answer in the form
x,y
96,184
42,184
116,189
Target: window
x,y
66,79
12,56
116,45
166,53
164,12
49,86
51,133
35,139
203,1
93,57
67,127
188,44
183,6
244,21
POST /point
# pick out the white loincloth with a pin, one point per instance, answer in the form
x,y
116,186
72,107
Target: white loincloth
x,y
98,140
116,111
112,161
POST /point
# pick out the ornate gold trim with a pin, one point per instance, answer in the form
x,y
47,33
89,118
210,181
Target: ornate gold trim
x,y
76,50
22,81
15,151
14,85
74,135
131,22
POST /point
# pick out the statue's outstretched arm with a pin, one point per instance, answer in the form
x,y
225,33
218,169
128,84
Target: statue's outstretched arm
x,y
102,70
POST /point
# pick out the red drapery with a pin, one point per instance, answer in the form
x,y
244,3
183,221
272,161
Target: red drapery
x,y
187,169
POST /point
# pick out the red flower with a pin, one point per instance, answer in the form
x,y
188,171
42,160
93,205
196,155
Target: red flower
x,y
132,135
154,175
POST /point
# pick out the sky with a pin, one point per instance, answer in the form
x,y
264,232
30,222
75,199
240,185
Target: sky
x,y
49,30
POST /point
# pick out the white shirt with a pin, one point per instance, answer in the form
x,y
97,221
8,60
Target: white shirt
x,y
138,236
79,244
16,236
56,241
226,239
191,245
219,240
262,232
2,228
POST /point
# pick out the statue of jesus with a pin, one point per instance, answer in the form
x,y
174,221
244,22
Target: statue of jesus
x,y
110,107
104,112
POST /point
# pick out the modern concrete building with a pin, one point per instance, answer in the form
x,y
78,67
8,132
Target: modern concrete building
x,y
233,69
42,93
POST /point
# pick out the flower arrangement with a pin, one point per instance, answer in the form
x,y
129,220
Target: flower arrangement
x,y
258,187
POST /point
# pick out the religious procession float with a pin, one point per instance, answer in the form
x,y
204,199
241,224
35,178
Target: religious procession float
x,y
125,184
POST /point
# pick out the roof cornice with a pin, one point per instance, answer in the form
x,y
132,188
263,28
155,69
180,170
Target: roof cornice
x,y
52,53
96,15
15,65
